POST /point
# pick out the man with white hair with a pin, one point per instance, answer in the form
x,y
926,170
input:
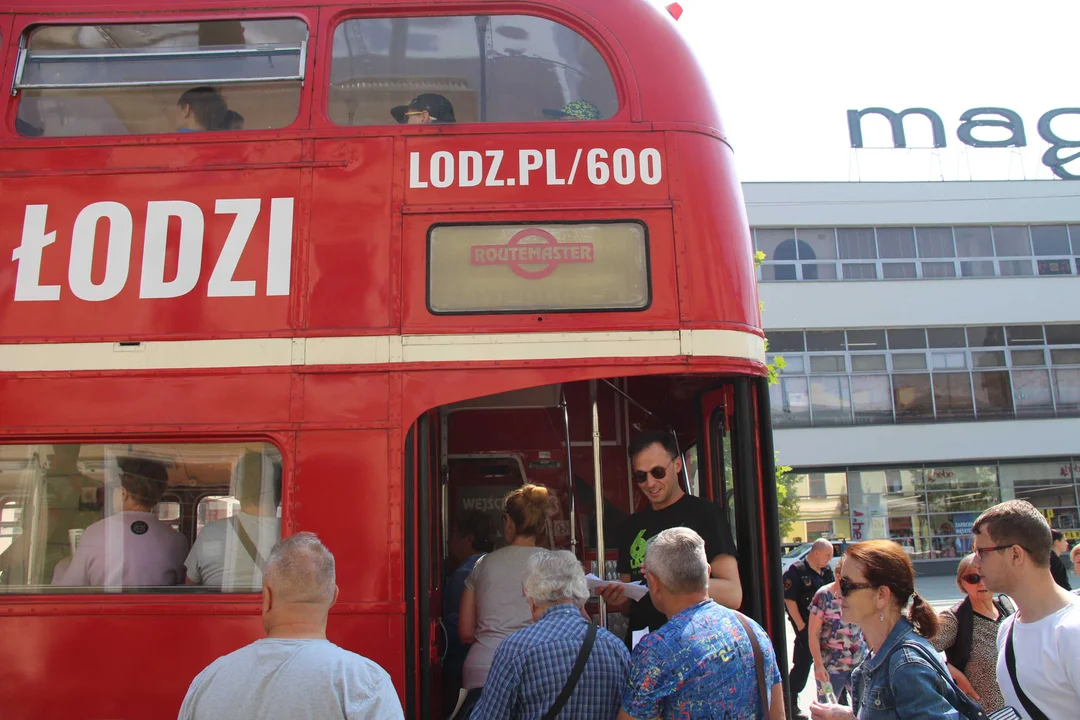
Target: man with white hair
x,y
561,666
294,672
703,662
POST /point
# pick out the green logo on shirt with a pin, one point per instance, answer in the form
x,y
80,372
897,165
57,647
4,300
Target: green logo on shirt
x,y
637,550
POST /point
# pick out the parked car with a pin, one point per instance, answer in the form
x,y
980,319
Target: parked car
x,y
800,551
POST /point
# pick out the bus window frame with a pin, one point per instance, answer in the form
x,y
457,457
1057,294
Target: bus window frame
x,y
284,442
601,39
6,107
526,223
22,25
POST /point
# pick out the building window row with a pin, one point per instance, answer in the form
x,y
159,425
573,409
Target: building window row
x,y
901,375
917,253
929,509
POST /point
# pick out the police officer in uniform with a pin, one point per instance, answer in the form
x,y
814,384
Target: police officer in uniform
x,y
801,581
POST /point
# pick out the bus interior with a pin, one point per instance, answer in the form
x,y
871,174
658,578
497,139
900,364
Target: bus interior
x,y
469,455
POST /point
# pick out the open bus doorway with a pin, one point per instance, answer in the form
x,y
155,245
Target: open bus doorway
x,y
471,454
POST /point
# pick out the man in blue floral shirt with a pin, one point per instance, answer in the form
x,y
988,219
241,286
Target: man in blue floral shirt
x,y
700,664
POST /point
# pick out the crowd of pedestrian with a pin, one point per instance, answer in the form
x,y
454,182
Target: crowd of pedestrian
x,y
525,648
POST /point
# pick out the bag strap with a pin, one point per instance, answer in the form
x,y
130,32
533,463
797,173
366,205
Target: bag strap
x,y
971,708
759,663
249,546
1010,662
575,674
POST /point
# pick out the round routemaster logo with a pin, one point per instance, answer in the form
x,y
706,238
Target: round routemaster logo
x,y
532,247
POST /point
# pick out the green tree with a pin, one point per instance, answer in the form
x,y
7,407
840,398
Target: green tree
x,y
786,497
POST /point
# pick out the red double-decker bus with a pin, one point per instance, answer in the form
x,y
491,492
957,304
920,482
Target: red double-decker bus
x,y
353,268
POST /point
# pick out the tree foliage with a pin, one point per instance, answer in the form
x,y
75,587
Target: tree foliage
x,y
786,498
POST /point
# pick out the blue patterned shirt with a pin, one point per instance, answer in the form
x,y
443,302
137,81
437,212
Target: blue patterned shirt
x,y
699,666
532,666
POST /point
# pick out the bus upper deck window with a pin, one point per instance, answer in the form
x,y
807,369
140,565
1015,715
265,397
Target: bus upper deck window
x,y
84,80
499,68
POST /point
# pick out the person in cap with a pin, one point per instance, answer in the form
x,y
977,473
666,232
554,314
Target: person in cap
x,y
576,110
424,109
150,553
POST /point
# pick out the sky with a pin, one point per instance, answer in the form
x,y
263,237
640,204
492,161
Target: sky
x,y
785,74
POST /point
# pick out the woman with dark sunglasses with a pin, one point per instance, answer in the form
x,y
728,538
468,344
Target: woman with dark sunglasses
x,y
968,636
904,678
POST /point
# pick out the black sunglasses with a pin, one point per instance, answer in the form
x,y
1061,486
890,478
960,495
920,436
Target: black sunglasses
x,y
847,587
658,472
981,552
972,578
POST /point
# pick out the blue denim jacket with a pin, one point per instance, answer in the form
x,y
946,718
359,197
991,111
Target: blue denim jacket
x,y
906,686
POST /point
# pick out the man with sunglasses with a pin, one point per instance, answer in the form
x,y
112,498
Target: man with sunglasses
x,y
1038,664
655,466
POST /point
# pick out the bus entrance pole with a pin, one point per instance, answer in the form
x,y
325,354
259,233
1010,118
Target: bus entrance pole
x,y
570,478
598,486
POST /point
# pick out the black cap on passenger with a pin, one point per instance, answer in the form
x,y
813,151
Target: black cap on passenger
x,y
438,107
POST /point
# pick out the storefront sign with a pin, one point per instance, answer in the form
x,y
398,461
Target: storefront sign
x,y
1061,151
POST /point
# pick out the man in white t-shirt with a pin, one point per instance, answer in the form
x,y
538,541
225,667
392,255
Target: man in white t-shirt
x,y
1038,668
294,673
131,547
229,553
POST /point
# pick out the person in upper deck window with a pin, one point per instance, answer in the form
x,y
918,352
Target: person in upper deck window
x,y
233,120
574,110
425,109
200,108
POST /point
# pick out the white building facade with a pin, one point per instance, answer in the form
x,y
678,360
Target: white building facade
x,y
931,332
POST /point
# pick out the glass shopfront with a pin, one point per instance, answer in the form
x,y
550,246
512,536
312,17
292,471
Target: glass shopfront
x,y
929,509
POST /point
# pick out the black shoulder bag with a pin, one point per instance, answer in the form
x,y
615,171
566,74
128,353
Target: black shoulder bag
x,y
575,674
1010,662
759,663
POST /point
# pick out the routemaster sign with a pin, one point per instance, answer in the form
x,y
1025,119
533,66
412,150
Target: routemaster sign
x,y
551,267
519,252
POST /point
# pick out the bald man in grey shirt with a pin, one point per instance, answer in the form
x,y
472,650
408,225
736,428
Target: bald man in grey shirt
x,y
294,672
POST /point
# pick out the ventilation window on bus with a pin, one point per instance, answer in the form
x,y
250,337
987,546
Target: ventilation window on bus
x,y
137,518
81,80
556,267
508,68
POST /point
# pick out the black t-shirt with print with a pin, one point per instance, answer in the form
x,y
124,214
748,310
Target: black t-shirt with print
x,y
700,515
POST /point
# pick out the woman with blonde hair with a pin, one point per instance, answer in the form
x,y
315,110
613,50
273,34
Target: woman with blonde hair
x,y
493,605
904,678
968,636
